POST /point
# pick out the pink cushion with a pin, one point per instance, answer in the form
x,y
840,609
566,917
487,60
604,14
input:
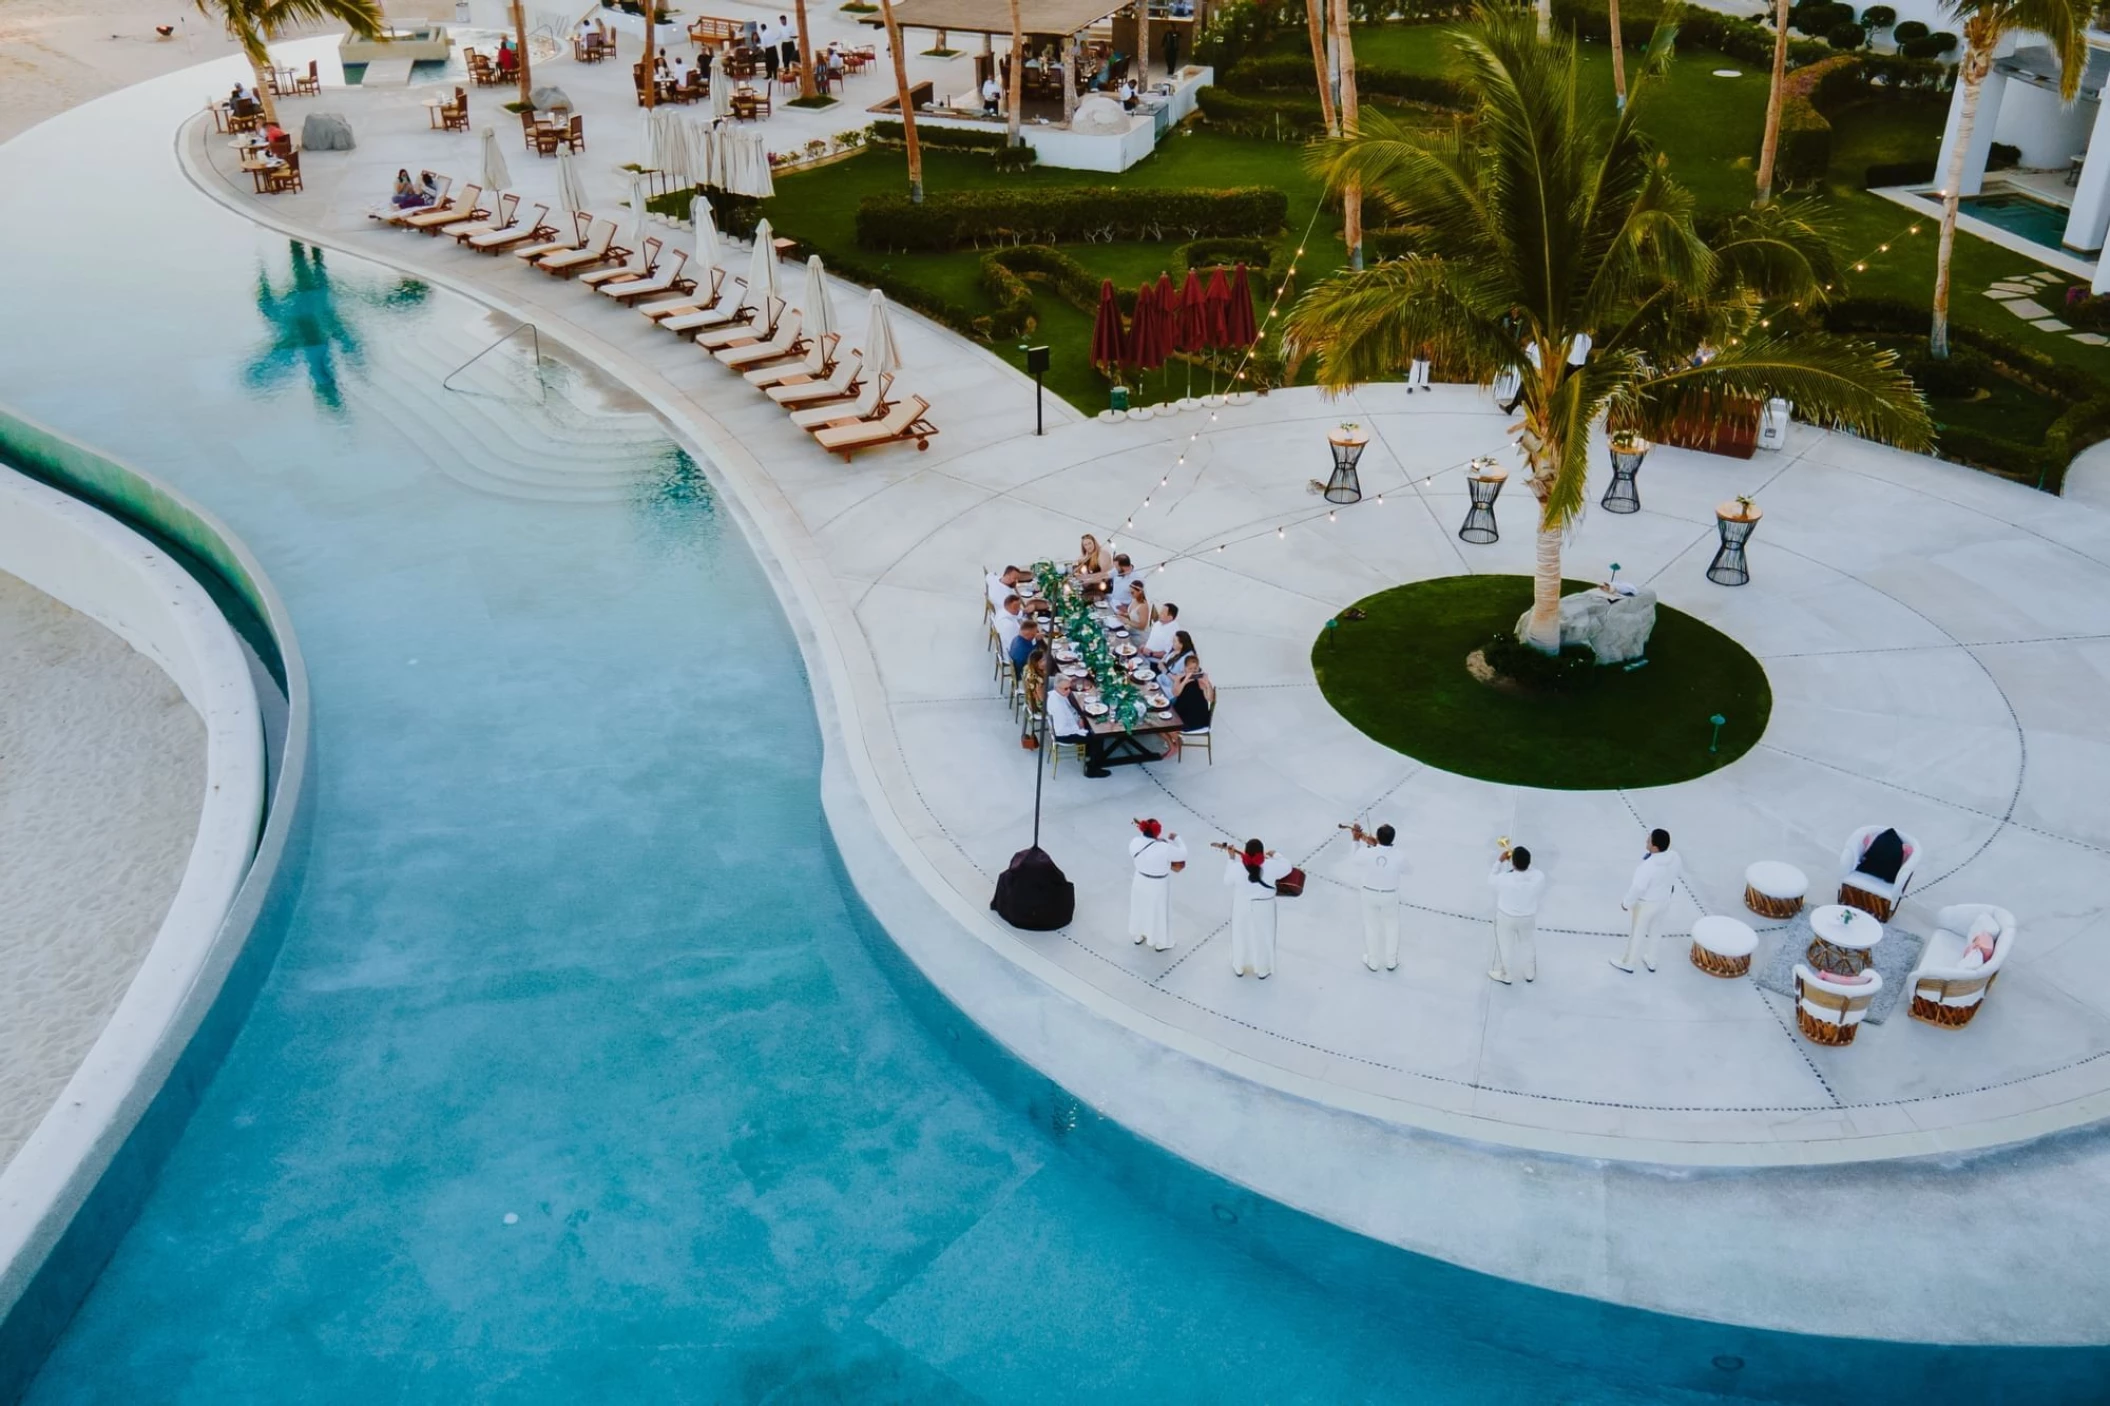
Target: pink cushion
x,y
1834,979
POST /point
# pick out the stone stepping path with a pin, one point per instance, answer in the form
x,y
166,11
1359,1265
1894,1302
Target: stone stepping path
x,y
2019,294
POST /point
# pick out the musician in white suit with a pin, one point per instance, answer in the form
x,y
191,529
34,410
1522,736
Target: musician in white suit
x,y
1655,880
1156,854
1251,874
1377,867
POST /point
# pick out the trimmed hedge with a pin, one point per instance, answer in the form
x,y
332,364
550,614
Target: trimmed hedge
x,y
949,138
1978,354
1908,31
1272,118
1256,254
1065,214
1293,73
1899,173
1805,134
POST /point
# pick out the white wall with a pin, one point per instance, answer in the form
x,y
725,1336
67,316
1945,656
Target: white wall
x,y
2048,132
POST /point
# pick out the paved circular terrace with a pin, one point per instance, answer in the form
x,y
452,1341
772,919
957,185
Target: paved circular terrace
x,y
1936,640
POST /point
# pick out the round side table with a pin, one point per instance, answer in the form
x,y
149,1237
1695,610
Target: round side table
x,y
1624,496
1485,484
1735,522
1344,486
1842,939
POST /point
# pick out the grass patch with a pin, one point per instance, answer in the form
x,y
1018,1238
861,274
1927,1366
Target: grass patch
x,y
1399,676
818,100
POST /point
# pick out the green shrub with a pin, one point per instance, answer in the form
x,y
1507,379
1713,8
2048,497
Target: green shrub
x,y
1931,46
1570,671
1805,134
1013,158
1908,31
2090,313
1879,17
2003,157
1820,17
1959,376
1256,254
1066,215
1275,117
1899,173
1013,317
1846,36
1293,73
949,138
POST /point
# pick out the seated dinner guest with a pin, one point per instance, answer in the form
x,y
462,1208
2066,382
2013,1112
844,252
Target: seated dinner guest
x,y
1023,643
1003,583
1176,662
1007,622
1124,576
1193,700
1094,569
1136,613
1163,636
1065,722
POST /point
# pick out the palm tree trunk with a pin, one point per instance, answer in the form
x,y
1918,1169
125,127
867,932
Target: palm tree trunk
x,y
1544,630
1142,43
908,110
1542,457
1770,148
1317,24
1618,54
806,88
650,96
1977,62
261,75
1545,19
1018,71
1352,194
527,82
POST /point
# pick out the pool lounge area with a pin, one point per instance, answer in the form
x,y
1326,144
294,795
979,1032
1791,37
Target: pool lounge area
x,y
597,1060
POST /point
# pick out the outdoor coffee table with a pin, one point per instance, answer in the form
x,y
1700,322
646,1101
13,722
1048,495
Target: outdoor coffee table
x,y
1842,939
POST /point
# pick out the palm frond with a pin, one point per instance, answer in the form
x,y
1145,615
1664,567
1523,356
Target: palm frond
x,y
1853,386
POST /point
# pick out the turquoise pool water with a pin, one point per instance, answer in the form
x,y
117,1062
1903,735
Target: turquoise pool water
x,y
573,950
2034,220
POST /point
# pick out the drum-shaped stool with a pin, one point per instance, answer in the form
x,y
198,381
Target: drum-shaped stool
x,y
1774,890
1723,946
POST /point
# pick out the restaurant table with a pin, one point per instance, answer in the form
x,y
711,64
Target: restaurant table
x,y
1842,939
1110,743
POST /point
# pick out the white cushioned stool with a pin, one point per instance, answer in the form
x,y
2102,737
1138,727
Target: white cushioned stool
x,y
1722,946
1774,890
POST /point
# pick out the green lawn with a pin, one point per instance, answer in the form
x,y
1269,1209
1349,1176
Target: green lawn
x,y
1399,676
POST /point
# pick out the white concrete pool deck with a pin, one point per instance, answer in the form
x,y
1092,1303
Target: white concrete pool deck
x,y
1936,640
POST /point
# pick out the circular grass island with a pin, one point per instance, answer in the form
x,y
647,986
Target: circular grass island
x,y
1399,674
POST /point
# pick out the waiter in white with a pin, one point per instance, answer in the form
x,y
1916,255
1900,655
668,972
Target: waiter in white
x,y
1251,874
1377,867
1655,879
1156,853
1518,888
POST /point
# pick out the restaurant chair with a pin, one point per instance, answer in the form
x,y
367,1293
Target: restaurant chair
x,y
1201,739
311,85
528,127
283,177
1055,751
454,116
1830,1012
1870,894
1945,992
574,133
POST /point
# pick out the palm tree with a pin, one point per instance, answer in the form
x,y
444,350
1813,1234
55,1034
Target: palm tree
x,y
253,24
1317,24
1770,147
908,110
648,95
520,50
1618,52
1351,113
807,91
1549,232
1985,24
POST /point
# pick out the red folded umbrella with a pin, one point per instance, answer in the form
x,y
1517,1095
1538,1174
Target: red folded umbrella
x,y
1194,314
1239,329
1168,317
1144,350
1109,342
1218,300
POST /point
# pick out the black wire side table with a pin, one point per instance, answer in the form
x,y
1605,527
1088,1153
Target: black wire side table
x,y
1735,521
1344,486
1484,481
1624,495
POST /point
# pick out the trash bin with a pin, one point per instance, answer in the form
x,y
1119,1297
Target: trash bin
x,y
1120,398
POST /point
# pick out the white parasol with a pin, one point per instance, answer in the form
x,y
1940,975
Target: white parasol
x,y
881,355
637,211
764,185
707,254
571,191
679,161
762,267
721,94
496,177
818,311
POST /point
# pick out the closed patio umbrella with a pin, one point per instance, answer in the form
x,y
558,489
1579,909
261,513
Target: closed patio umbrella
x,y
818,310
707,254
880,353
571,191
496,176
721,94
1194,314
1239,330
637,211
1218,300
1144,352
1168,316
765,184
762,267
1109,341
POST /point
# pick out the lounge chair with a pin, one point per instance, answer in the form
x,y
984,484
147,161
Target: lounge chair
x,y
785,341
433,220
904,422
639,267
398,215
813,368
667,279
534,227
599,248
870,404
841,384
508,206
693,301
581,223
734,328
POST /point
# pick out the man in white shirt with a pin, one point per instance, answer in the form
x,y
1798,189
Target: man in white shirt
x,y
1518,888
1124,576
1128,94
1155,852
1065,722
1163,637
1377,867
991,95
1007,621
1655,879
1001,584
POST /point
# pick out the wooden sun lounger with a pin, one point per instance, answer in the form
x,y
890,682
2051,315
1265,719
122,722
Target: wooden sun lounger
x,y
508,207
842,412
440,202
817,365
668,280
839,385
742,329
904,422
693,301
786,342
534,227
638,268
598,249
581,223
466,208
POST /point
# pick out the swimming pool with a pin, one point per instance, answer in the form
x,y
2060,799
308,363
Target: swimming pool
x,y
2038,222
573,949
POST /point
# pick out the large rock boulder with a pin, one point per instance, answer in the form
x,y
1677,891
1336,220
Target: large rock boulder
x,y
550,99
1616,627
326,131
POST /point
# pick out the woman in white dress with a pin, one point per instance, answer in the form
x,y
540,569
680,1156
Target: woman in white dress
x,y
1157,854
1251,874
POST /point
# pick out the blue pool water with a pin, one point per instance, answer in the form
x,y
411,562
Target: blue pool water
x,y
573,948
2034,220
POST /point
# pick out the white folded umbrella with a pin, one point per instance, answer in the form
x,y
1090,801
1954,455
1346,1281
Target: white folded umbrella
x,y
677,160
571,191
721,94
881,355
762,266
637,211
706,232
819,308
496,177
764,184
